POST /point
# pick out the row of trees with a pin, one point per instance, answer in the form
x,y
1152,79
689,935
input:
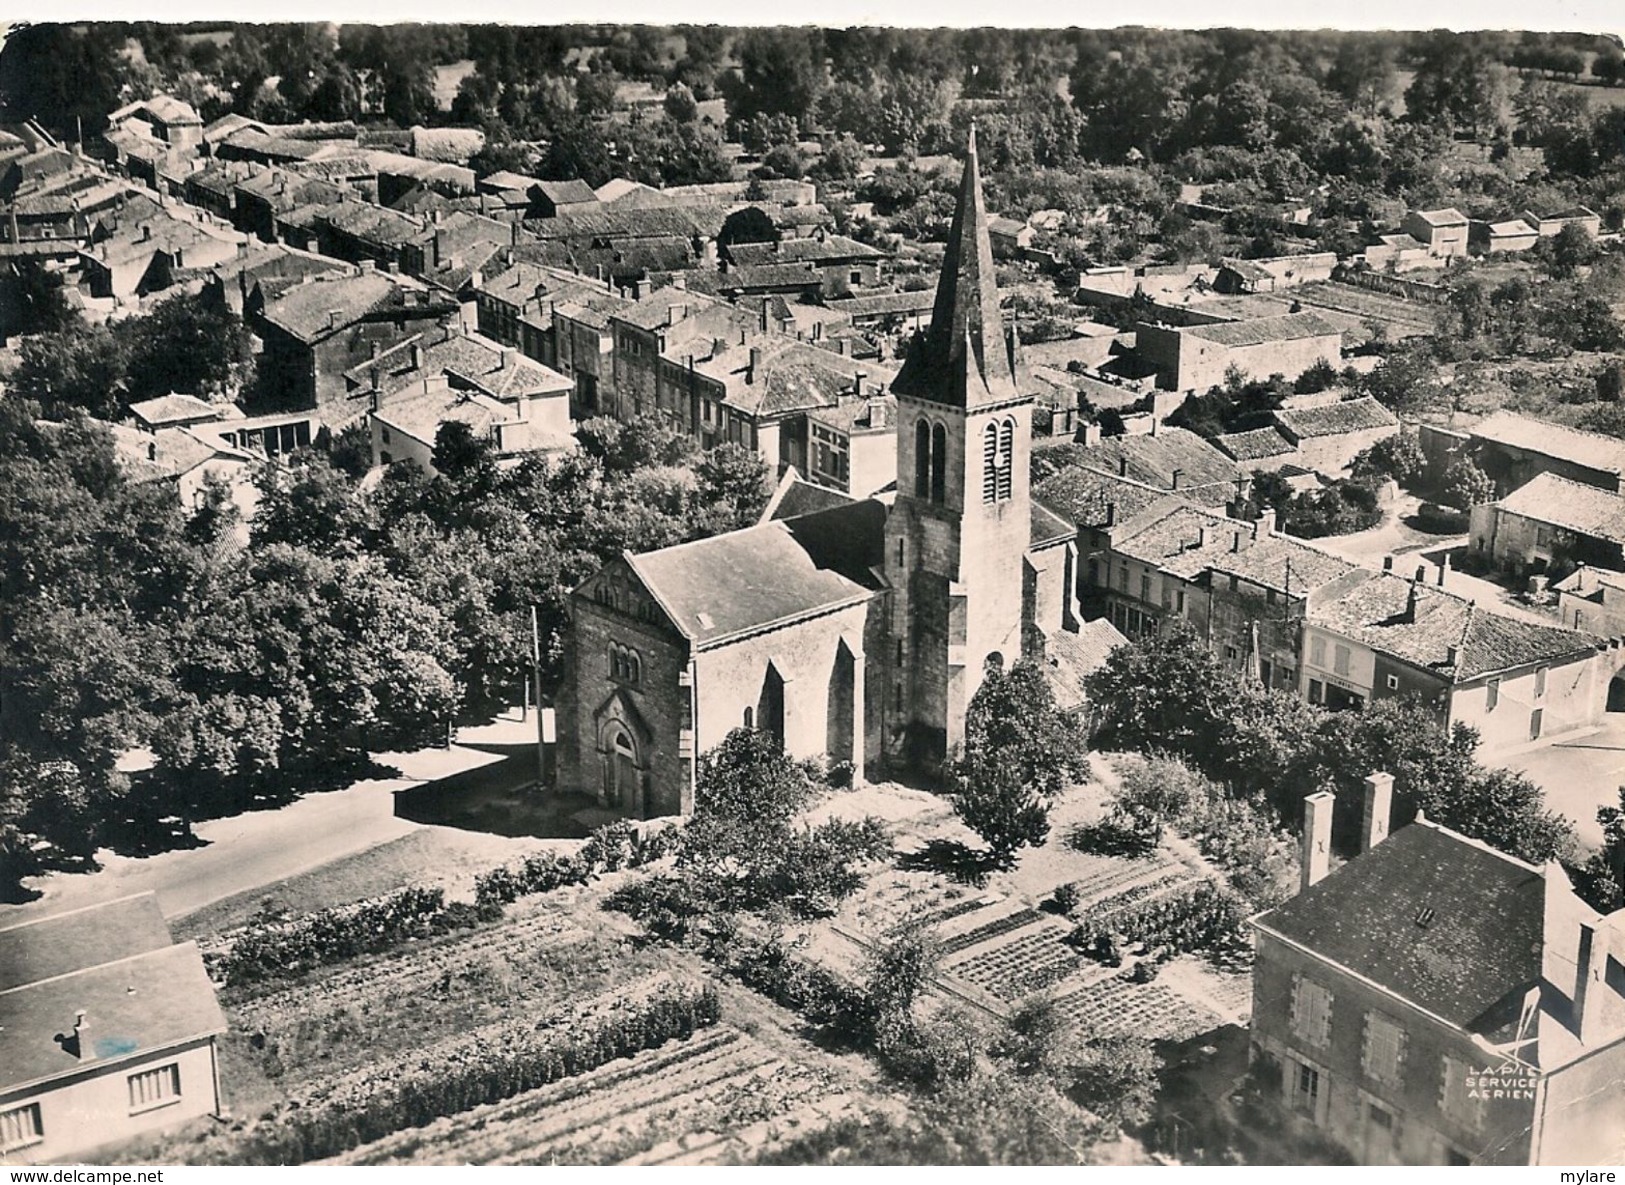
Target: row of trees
x,y
1169,694
353,621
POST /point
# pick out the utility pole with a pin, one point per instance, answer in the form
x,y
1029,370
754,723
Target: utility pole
x,y
536,677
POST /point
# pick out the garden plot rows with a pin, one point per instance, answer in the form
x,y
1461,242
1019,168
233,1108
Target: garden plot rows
x,y
988,931
1115,875
1115,1007
903,896
1403,317
417,967
710,1094
1028,963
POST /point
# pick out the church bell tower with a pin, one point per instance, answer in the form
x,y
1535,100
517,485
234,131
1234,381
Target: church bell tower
x,y
958,531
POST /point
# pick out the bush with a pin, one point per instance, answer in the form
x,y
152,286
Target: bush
x,y
1065,898
538,873
479,1069
269,948
1206,918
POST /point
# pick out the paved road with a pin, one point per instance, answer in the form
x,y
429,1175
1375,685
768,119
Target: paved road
x,y
259,848
1581,775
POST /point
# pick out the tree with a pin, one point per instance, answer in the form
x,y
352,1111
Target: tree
x,y
679,104
1164,691
732,487
1399,456
1567,251
1465,485
81,368
1116,1078
310,505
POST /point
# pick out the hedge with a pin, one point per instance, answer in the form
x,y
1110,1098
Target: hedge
x,y
487,1066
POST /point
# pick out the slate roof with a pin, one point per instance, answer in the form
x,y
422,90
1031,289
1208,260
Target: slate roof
x,y
769,574
133,1007
1256,445
1046,527
1482,945
1591,449
1372,608
1334,419
61,943
1257,332
1571,505
796,496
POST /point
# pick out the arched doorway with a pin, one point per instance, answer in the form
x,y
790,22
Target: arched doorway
x,y
1616,693
620,770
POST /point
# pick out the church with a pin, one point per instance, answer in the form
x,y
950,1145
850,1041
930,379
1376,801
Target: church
x,y
860,631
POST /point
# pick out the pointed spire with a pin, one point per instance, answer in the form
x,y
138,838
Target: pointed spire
x,y
964,358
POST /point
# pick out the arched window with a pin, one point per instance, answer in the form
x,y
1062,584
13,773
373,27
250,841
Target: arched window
x,y
939,464
922,459
990,463
1007,452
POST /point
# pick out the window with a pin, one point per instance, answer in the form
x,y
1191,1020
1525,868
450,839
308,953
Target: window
x,y
625,665
1179,601
990,463
899,553
155,1088
1234,584
1540,682
854,277
1007,449
1311,1011
1317,651
1393,682
1455,1095
1317,691
1383,1054
1122,579
1492,695
899,652
20,1127
383,434
1269,596
750,717
1230,653
1306,1089
922,459
1340,660
939,464
1145,587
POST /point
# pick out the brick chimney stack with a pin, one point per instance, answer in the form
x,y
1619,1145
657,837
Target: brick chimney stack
x,y
1317,838
1590,988
1377,806
81,1037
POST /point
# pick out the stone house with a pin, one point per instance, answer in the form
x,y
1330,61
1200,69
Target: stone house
x,y
1551,522
1197,357
652,335
852,447
1327,438
1515,449
107,1031
1495,238
1435,1001
1374,635
1548,225
316,330
1442,232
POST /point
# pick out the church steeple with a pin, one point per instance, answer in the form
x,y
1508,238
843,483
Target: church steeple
x,y
964,359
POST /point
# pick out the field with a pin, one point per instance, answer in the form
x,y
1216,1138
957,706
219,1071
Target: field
x,y
1352,310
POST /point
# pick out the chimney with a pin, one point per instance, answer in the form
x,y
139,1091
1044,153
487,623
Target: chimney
x,y
81,1037
1201,536
146,232
1444,570
843,347
1122,465
1421,574
1264,525
373,348
1451,655
642,288
1235,541
755,364
1091,435
180,259
1376,806
1111,514
818,331
333,318
857,383
1153,421
1317,838
417,355
502,360
1387,563
1590,993
377,395
676,313
152,450
1178,473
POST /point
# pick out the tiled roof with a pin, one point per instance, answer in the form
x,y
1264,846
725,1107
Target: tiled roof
x,y
1256,445
454,145
1402,242
1288,327
870,414
506,179
764,575
373,223
420,412
1515,226
791,376
1083,495
306,310
1373,608
1153,460
1592,449
1073,656
134,1007
884,303
785,276
817,249
566,192
1482,942
56,944
613,222
166,453
1283,563
173,409
1334,419
468,357
1571,505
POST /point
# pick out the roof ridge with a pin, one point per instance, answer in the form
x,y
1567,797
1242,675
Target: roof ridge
x,y
51,917
145,954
